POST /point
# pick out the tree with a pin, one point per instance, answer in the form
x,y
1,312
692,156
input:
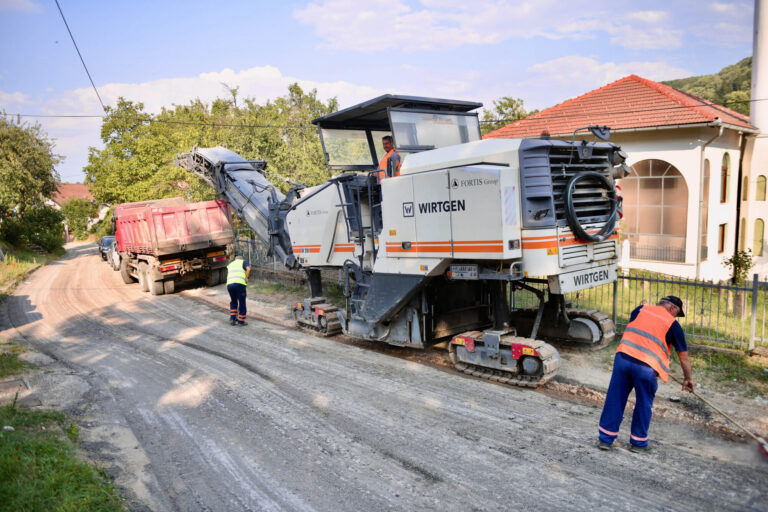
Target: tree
x,y
27,167
78,212
731,86
505,110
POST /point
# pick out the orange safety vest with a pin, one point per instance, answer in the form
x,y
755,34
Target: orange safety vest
x,y
645,339
383,166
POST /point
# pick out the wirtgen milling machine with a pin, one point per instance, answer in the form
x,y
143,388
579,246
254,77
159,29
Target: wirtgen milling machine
x,y
434,253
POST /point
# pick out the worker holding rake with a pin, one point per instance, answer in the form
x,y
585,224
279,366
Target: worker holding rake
x,y
642,356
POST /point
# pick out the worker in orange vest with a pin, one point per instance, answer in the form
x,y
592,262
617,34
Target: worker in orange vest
x,y
386,141
642,356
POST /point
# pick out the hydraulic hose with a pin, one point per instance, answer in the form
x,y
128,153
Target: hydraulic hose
x,y
570,210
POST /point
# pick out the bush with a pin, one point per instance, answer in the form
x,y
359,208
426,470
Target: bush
x,y
78,212
41,226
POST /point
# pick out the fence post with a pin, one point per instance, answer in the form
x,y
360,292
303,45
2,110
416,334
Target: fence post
x,y
615,299
753,319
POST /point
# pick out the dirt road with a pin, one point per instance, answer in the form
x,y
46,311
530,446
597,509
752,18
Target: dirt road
x,y
189,413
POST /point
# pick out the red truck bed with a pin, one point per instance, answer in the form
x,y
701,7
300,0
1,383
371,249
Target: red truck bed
x,y
169,226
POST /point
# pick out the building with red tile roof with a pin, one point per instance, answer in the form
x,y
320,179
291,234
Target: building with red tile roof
x,y
682,198
631,103
69,191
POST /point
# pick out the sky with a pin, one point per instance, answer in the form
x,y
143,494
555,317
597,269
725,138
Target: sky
x,y
168,52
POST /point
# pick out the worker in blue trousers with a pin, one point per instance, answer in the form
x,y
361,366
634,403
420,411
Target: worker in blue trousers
x,y
238,273
642,356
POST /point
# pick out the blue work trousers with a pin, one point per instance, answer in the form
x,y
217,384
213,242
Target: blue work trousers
x,y
236,302
628,373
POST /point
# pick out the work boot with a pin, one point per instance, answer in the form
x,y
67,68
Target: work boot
x,y
232,321
639,449
605,446
242,323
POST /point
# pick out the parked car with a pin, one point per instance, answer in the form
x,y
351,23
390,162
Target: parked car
x,y
113,256
104,244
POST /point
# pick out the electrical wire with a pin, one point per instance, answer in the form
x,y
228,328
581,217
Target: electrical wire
x,y
81,56
580,114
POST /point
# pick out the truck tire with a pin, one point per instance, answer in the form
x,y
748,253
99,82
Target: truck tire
x,y
125,271
143,276
157,288
223,275
169,287
212,279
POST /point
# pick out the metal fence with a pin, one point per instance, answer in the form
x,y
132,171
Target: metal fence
x,y
719,313
715,312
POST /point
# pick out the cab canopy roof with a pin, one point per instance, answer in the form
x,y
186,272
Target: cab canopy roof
x,y
372,114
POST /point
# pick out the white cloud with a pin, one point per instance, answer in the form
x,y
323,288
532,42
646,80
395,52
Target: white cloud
x,y
379,25
73,136
19,5
571,76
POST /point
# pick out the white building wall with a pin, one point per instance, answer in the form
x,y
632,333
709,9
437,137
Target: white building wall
x,y
682,148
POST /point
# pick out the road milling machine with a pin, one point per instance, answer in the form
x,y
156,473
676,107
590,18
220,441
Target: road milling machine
x,y
434,252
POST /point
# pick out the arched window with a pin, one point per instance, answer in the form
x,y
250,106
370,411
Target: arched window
x,y
655,211
760,189
725,172
757,241
745,189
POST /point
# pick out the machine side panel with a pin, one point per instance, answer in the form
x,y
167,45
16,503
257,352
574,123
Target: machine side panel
x,y
433,206
315,230
476,216
399,217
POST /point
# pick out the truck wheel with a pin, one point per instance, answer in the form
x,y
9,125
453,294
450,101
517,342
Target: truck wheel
x,y
169,287
125,271
222,275
212,279
143,277
157,288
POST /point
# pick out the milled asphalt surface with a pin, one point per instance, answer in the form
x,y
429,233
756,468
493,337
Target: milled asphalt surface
x,y
189,413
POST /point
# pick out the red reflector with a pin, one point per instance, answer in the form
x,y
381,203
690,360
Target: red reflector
x,y
466,341
168,267
219,258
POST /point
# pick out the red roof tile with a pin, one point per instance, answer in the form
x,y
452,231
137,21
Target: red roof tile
x,y
631,102
69,191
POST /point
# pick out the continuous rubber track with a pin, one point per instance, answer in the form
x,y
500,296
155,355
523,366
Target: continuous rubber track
x,y
332,328
549,369
602,320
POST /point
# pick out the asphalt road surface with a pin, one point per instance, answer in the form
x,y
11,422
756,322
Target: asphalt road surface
x,y
198,415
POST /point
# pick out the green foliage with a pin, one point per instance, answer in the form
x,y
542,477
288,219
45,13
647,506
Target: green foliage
x,y
41,225
730,87
78,212
10,364
39,470
27,173
136,163
505,110
739,265
105,227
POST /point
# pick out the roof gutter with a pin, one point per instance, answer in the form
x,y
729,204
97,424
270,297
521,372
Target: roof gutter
x,y
715,124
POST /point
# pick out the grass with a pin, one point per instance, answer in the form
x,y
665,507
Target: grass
x,y
10,364
733,371
39,468
18,263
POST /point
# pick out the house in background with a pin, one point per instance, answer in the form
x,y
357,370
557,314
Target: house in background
x,y
682,198
67,191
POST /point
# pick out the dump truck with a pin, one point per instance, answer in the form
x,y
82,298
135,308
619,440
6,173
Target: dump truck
x,y
164,242
434,252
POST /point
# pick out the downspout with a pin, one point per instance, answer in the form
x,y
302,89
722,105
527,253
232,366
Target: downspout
x,y
719,124
742,148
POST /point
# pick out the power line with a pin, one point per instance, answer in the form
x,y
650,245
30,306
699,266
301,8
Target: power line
x,y
546,117
81,57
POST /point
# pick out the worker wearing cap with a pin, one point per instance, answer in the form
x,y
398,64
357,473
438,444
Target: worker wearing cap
x,y
393,155
238,273
642,356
